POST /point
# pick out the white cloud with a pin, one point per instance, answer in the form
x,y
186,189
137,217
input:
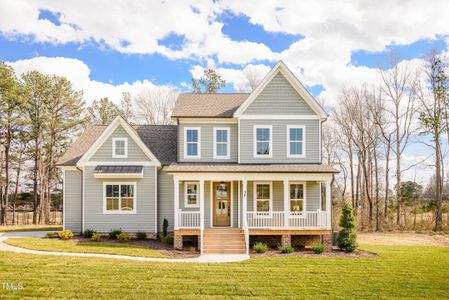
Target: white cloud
x,y
332,31
79,75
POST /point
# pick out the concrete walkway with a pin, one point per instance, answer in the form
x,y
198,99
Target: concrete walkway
x,y
205,258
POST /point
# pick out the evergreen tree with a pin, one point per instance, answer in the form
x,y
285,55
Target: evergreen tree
x,y
211,82
104,111
346,239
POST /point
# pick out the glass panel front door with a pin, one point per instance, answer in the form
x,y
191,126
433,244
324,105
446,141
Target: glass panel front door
x,y
222,204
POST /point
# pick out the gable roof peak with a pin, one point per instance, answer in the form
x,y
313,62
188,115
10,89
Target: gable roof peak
x,y
282,68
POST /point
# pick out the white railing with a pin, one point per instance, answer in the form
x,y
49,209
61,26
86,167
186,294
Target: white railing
x,y
189,219
275,219
265,219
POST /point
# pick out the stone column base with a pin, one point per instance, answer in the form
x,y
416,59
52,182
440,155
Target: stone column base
x,y
286,240
177,242
326,240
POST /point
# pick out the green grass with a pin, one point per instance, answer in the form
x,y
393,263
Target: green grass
x,y
45,244
398,272
16,228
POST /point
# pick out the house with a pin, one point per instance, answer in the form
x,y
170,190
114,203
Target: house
x,y
235,167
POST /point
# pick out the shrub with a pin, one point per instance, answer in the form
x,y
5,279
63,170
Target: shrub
x,y
140,235
65,235
346,239
114,233
260,247
123,237
318,248
96,237
167,240
88,233
50,234
286,249
164,228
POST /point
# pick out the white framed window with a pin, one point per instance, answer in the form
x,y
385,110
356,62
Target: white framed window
x,y
221,142
296,141
263,196
297,196
263,141
192,142
191,194
119,147
119,197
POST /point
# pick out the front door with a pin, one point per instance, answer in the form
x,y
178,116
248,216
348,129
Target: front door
x,y
222,204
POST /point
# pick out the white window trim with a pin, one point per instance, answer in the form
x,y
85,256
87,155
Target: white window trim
x,y
270,155
119,211
198,156
256,183
303,141
113,147
304,201
228,147
186,203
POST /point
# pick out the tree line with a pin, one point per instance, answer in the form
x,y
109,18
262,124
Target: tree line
x,y
41,114
369,131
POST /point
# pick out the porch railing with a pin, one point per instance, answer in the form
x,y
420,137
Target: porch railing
x,y
275,219
189,219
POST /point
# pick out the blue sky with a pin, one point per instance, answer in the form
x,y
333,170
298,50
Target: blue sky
x,y
108,48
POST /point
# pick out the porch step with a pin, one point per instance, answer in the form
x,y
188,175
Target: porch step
x,y
223,241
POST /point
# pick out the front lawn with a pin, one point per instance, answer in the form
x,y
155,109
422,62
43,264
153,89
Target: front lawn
x,y
16,228
398,272
46,244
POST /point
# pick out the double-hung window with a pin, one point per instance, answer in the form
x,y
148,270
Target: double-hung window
x,y
191,194
221,143
119,147
297,197
263,141
262,196
192,142
295,141
120,197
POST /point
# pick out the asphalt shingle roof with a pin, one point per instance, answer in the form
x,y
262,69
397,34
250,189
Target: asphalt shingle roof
x,y
249,168
160,139
221,105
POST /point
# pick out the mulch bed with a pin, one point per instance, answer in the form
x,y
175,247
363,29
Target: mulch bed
x,y
168,250
335,252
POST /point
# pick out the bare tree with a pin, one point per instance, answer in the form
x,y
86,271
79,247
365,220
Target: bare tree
x,y
398,83
155,105
253,75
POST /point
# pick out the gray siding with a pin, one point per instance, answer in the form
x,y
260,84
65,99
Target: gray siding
x,y
279,142
165,203
312,196
104,153
73,200
145,216
207,142
279,97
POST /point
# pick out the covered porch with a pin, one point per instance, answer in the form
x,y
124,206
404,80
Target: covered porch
x,y
256,203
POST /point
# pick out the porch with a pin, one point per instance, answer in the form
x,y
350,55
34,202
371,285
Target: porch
x,y
257,204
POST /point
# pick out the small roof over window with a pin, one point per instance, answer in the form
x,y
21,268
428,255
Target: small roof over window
x,y
103,171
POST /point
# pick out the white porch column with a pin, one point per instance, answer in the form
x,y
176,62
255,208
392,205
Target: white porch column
x,y
286,204
176,199
245,200
328,204
201,204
